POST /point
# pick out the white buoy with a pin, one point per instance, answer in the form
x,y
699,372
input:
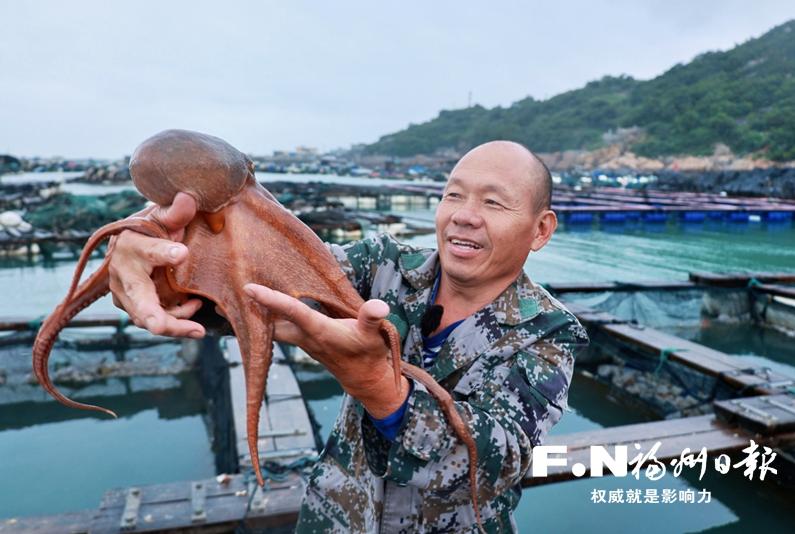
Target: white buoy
x,y
10,219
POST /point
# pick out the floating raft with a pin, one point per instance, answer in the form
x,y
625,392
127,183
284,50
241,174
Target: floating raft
x,y
616,205
196,506
82,320
739,280
658,344
599,287
285,429
765,282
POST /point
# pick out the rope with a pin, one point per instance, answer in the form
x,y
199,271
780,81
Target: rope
x,y
278,472
663,358
271,471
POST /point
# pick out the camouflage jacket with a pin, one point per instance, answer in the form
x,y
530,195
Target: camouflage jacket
x,y
508,367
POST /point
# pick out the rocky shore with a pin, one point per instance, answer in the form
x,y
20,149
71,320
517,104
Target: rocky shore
x,y
773,182
722,171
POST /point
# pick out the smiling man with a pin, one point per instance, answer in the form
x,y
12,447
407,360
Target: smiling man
x,y
466,312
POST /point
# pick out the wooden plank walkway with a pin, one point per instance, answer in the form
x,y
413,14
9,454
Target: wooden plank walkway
x,y
598,287
615,200
82,320
776,290
285,430
206,506
739,280
66,523
735,373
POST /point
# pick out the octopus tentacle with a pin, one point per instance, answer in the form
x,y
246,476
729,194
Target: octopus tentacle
x,y
454,418
77,299
133,222
95,287
393,340
253,327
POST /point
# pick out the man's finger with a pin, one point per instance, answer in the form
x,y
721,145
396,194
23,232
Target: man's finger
x,y
288,307
176,216
164,252
147,250
371,314
144,307
220,312
286,332
185,310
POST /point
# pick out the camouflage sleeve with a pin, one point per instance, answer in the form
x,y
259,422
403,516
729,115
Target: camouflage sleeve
x,y
359,260
517,403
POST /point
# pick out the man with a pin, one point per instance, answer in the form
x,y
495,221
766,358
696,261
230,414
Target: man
x,y
502,346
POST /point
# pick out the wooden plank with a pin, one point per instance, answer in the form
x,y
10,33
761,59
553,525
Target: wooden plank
x,y
67,523
590,287
763,414
777,290
237,390
169,506
285,428
739,279
19,323
750,379
286,410
649,430
708,361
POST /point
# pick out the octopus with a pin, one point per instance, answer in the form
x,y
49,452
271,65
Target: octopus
x,y
240,234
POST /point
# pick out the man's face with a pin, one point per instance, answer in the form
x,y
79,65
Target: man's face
x,y
486,221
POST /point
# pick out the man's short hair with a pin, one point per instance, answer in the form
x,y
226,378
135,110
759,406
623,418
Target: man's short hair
x,y
543,187
543,183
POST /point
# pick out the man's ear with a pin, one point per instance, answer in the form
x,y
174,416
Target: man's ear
x,y
546,223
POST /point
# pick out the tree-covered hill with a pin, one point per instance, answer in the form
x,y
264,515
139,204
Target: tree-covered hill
x,y
744,98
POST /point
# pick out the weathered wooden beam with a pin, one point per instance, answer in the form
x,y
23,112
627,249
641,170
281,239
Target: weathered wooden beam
x,y
735,373
739,280
204,506
19,323
66,523
285,429
598,287
776,290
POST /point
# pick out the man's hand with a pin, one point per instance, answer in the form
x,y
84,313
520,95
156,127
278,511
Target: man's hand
x,y
134,257
353,350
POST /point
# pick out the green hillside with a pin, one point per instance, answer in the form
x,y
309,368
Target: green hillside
x,y
744,98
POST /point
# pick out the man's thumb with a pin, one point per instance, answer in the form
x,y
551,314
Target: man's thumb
x,y
176,216
372,313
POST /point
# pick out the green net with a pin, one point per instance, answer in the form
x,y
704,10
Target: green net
x,y
84,213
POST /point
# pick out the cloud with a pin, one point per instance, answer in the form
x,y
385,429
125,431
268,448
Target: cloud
x,y
91,78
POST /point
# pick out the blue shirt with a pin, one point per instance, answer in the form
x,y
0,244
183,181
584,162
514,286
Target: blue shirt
x,y
431,346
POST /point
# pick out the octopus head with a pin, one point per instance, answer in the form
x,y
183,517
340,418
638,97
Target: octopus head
x,y
208,168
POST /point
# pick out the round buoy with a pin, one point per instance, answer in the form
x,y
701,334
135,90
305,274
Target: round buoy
x,y
10,219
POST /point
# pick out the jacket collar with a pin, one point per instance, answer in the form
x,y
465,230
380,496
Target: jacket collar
x,y
518,303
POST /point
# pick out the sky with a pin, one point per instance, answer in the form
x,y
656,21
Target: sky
x,y
95,78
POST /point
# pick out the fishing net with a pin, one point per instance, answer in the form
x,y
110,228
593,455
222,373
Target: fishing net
x,y
658,309
649,379
84,213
